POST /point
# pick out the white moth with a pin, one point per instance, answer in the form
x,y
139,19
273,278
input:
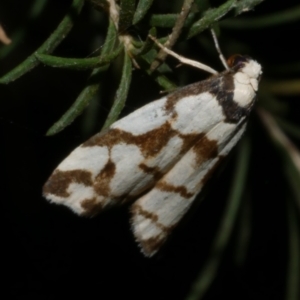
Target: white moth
x,y
160,156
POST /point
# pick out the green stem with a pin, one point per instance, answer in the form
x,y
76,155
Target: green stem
x,y
210,17
78,64
48,46
91,88
122,92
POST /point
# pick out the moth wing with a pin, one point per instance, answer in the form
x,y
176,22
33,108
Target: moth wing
x,y
158,212
104,168
136,151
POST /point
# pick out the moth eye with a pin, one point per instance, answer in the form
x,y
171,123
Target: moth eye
x,y
237,61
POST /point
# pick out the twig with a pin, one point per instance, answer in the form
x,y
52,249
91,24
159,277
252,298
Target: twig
x,y
161,56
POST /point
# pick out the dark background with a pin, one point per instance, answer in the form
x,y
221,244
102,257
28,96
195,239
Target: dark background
x,y
49,253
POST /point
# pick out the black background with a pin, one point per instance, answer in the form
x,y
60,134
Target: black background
x,y
49,253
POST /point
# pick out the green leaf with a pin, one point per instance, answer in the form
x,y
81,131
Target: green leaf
x,y
141,10
210,17
78,63
122,92
48,46
148,44
127,9
161,79
246,5
91,88
168,20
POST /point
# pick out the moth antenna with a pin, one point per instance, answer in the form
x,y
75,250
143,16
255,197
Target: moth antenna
x,y
216,42
184,60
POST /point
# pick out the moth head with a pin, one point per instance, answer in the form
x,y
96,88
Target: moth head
x,y
249,68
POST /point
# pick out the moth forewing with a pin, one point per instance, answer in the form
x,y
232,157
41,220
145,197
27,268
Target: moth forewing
x,y
160,155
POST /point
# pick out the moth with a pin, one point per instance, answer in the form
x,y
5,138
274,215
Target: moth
x,y
160,156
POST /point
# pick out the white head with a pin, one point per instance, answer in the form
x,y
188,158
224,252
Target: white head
x,y
248,71
246,75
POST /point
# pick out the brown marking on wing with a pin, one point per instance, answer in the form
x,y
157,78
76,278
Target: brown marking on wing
x,y
189,140
109,138
154,171
221,86
209,174
181,189
103,179
205,149
153,141
150,142
151,245
138,210
59,181
91,207
189,90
